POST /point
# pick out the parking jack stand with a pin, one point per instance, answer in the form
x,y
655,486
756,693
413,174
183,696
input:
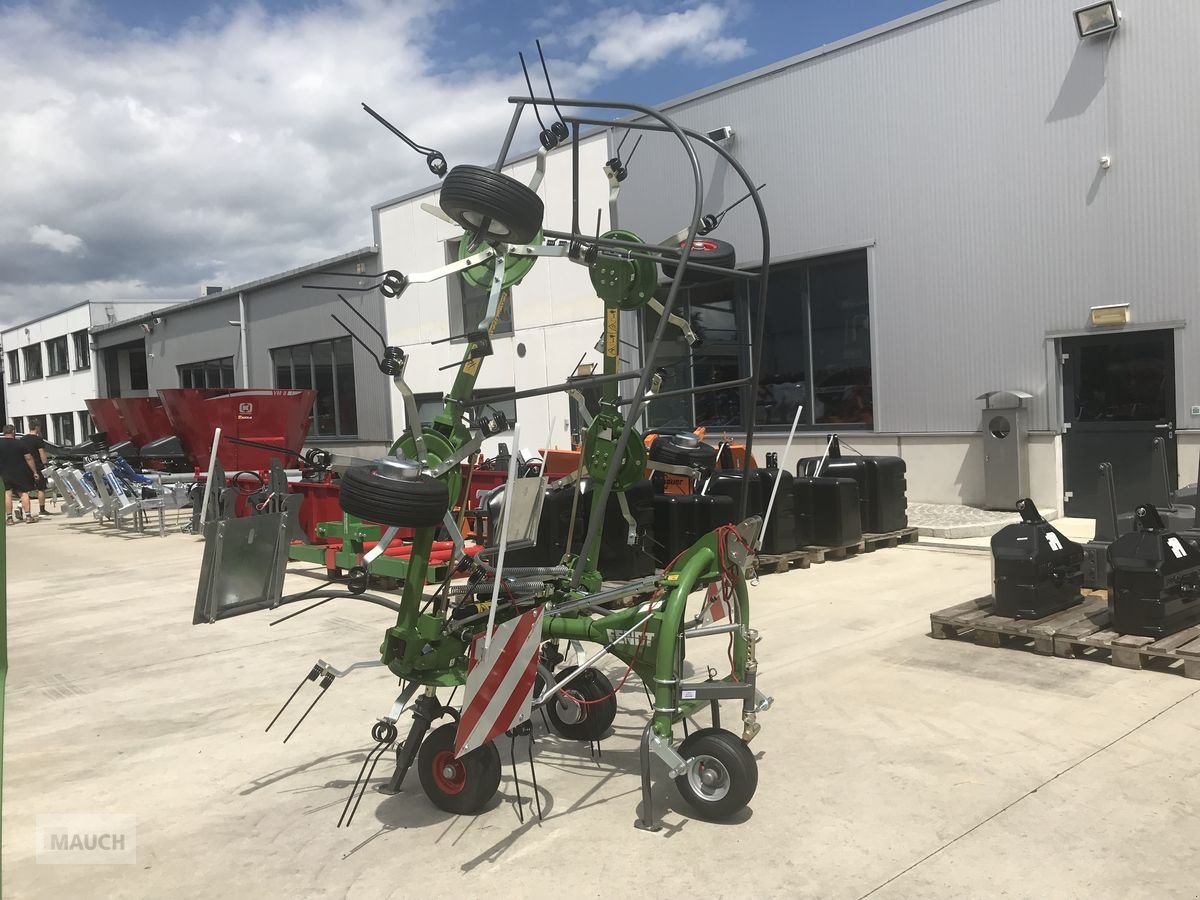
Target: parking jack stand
x,y
425,709
647,822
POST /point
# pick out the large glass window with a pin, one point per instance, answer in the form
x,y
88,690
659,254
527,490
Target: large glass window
x,y
64,427
83,349
139,379
816,349
56,356
32,357
14,366
328,368
86,426
212,373
468,304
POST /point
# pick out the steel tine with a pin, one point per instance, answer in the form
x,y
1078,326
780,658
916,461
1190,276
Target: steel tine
x,y
325,683
311,676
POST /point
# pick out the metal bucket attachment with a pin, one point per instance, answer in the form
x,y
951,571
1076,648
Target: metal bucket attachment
x,y
243,567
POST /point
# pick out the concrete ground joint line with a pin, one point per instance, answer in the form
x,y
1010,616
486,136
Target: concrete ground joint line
x,y
1029,793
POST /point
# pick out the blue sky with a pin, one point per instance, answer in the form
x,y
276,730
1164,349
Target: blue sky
x,y
472,32
154,147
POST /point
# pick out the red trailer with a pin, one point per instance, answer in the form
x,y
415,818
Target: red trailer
x,y
279,418
144,419
108,419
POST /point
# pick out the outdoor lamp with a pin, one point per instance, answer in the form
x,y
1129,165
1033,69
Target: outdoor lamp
x,y
1098,18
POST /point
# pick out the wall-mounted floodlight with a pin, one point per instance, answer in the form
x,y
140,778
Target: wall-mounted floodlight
x,y
724,133
1112,316
1098,18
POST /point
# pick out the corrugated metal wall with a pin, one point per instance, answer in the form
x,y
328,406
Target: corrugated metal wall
x,y
965,148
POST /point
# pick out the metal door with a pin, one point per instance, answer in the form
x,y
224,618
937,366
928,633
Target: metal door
x,y
1119,394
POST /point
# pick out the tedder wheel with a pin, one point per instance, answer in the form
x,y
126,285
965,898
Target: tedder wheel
x,y
499,208
589,720
721,776
684,450
708,251
419,502
461,786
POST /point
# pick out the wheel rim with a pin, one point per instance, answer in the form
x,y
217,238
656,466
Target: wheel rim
x,y
569,708
708,778
449,774
494,227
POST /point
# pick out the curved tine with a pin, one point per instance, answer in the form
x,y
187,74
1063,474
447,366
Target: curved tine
x,y
549,86
383,748
529,84
374,752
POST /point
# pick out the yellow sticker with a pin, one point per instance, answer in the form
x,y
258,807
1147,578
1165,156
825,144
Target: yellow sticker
x,y
612,320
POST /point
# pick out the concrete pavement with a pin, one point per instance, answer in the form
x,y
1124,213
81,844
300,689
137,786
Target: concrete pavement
x,y
891,766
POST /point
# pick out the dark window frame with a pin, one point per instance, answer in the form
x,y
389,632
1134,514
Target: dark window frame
x,y
34,352
13,361
82,340
62,344
287,354
188,373
745,299
57,419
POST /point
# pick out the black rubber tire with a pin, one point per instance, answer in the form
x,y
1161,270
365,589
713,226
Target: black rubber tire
x,y
473,194
476,775
665,450
739,774
593,685
417,503
708,251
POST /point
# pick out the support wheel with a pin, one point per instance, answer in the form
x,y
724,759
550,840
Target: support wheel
x,y
419,502
722,773
461,786
499,208
590,719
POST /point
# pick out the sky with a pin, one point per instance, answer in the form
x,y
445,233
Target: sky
x,y
149,148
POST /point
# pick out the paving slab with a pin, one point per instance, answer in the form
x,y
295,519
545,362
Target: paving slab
x,y
892,765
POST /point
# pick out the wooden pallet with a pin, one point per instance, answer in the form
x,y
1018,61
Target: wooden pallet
x,y
974,619
806,556
1092,638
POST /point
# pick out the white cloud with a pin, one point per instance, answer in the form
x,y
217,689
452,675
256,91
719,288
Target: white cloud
x,y
235,147
45,236
627,39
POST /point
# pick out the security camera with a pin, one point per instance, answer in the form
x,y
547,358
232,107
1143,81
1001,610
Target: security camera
x,y
724,133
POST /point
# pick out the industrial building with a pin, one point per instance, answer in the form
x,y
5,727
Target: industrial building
x,y
48,366
979,197
274,332
975,206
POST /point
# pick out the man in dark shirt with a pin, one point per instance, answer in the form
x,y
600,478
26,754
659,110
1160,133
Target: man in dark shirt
x,y
18,471
36,445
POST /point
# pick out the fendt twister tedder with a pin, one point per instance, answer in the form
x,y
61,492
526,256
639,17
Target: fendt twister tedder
x,y
503,634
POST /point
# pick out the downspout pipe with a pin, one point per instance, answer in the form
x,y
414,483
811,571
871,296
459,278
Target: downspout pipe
x,y
242,339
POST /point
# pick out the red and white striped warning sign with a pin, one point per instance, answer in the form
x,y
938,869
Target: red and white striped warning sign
x,y
500,683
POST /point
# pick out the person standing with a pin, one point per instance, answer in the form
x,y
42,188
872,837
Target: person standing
x,y
36,444
18,471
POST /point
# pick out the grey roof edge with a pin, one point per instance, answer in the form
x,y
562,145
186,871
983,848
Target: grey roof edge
x,y
49,315
512,160
861,37
370,250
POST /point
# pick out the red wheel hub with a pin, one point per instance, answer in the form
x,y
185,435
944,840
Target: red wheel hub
x,y
449,774
701,245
